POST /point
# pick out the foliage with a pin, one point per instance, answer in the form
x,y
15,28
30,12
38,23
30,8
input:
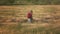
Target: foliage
x,y
24,2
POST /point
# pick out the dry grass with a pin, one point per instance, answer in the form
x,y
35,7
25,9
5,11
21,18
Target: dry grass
x,y
46,20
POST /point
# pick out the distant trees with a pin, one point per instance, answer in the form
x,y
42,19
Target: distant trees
x,y
6,2
46,2
40,2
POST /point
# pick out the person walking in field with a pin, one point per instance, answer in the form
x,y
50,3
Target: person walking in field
x,y
29,16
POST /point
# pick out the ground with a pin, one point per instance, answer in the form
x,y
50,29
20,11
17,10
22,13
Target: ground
x,y
46,19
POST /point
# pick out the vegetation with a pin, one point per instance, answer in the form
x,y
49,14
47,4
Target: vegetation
x,y
29,28
27,2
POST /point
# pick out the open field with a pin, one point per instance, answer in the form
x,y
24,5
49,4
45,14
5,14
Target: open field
x,y
13,19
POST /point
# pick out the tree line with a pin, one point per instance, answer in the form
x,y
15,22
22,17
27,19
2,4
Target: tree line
x,y
34,2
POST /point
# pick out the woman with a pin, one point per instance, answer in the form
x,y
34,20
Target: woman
x,y
29,16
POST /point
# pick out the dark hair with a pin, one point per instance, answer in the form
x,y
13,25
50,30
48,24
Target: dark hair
x,y
31,11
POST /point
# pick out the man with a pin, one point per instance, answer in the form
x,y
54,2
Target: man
x,y
29,16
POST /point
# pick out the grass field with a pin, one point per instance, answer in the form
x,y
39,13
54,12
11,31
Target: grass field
x,y
46,19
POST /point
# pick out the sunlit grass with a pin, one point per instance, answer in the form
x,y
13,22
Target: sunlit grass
x,y
30,28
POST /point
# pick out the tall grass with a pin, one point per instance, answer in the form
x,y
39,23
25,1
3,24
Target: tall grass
x,y
19,29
